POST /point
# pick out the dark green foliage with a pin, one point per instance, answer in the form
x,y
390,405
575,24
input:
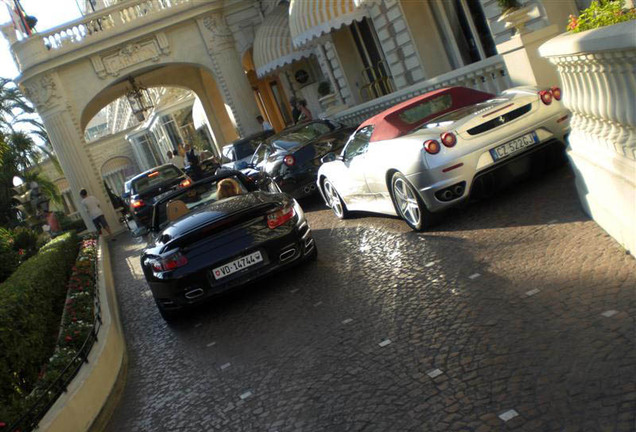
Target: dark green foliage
x,y
68,224
324,88
9,258
504,5
31,305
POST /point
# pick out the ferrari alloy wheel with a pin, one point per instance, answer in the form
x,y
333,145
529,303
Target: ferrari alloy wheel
x,y
334,201
408,203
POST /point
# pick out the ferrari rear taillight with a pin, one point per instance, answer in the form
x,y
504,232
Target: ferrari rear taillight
x,y
546,97
170,262
556,92
280,216
449,139
431,147
289,160
185,183
137,203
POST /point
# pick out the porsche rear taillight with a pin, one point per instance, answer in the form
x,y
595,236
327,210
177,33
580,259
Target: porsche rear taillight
x,y
556,92
185,183
170,262
546,97
431,147
137,203
449,139
280,216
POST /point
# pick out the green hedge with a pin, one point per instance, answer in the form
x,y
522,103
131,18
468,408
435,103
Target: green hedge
x,y
31,306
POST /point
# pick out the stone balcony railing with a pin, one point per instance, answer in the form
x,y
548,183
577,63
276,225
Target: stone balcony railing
x,y
95,27
488,75
598,73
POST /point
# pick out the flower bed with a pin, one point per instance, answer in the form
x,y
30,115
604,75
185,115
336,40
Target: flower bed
x,y
79,326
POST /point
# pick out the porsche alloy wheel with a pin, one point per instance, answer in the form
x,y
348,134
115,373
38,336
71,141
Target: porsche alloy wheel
x,y
408,203
334,201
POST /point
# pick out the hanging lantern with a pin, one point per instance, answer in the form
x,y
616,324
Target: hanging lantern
x,y
139,100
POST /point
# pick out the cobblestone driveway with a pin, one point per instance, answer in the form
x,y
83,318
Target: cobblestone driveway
x,y
515,313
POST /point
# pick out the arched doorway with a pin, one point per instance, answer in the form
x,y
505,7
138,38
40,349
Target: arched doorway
x,y
116,170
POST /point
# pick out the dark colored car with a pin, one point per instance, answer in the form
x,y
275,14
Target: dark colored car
x,y
143,189
237,154
202,246
292,157
206,168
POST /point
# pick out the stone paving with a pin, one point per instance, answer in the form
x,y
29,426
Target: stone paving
x,y
515,313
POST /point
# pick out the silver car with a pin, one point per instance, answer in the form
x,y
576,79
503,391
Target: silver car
x,y
436,150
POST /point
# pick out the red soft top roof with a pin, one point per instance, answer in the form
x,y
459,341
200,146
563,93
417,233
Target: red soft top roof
x,y
388,124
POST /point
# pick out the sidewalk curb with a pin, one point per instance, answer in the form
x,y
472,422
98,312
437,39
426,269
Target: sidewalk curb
x,y
95,392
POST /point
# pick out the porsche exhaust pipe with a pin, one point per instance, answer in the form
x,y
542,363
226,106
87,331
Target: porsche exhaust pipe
x,y
195,293
458,190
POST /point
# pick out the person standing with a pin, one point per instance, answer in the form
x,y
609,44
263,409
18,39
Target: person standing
x,y
175,159
295,111
190,156
305,114
94,210
264,124
53,223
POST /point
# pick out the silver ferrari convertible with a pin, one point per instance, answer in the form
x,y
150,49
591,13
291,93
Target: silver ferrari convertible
x,y
438,149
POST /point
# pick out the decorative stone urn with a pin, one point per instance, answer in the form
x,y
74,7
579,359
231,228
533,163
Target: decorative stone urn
x,y
330,105
516,18
598,73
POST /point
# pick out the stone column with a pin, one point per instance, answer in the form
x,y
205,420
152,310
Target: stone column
x,y
229,73
524,64
62,125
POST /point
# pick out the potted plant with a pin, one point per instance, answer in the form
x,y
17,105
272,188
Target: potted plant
x,y
326,98
514,14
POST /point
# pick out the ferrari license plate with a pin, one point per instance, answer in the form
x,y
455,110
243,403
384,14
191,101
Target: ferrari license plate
x,y
514,146
237,265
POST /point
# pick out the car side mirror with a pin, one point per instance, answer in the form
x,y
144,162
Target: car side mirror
x,y
329,157
140,232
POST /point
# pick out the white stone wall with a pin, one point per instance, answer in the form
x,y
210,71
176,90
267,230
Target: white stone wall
x,y
243,24
543,14
396,43
109,147
331,57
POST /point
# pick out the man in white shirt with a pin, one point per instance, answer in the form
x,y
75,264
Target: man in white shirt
x,y
92,206
176,159
266,125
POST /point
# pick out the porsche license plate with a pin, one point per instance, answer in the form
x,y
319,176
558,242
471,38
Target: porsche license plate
x,y
514,146
237,265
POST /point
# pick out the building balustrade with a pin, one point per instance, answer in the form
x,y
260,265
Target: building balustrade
x,y
488,75
97,26
598,74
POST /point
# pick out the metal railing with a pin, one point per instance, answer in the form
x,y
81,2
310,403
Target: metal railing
x,y
38,409
488,75
379,82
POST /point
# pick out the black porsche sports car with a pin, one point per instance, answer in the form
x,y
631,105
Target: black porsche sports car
x,y
202,245
292,157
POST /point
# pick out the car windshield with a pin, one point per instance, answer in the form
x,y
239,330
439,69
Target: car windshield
x,y
294,137
154,178
261,154
246,148
425,108
199,194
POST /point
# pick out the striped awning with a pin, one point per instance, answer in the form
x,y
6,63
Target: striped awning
x,y
273,44
310,19
367,3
